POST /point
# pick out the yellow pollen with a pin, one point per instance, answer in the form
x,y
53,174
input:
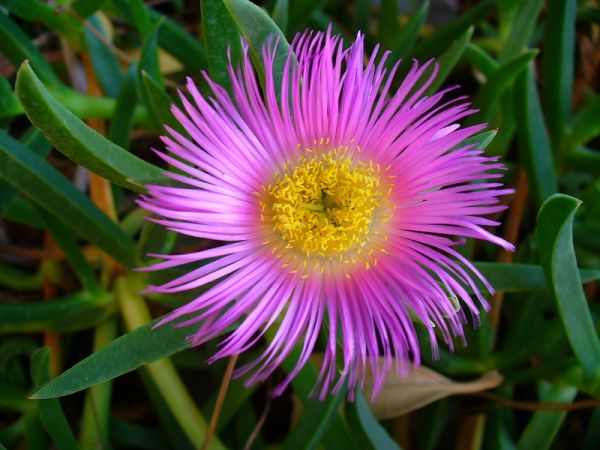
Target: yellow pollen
x,y
325,204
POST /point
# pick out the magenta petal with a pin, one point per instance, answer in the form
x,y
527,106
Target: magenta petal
x,y
432,192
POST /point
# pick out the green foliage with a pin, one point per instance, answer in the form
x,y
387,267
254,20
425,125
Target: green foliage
x,y
67,258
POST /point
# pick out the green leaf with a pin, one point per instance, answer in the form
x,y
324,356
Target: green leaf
x,y
378,437
221,35
35,10
34,436
338,436
438,41
68,244
388,24
8,193
592,435
79,142
121,123
406,36
259,30
523,277
141,17
489,95
14,398
480,140
76,312
543,426
522,30
316,419
449,59
22,211
585,159
50,410
17,47
9,104
149,56
481,59
104,61
301,11
361,15
559,63
52,191
86,8
533,138
20,280
280,14
554,238
181,44
585,125
136,436
130,351
161,103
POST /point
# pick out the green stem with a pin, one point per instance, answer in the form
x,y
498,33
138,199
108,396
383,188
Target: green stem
x,y
96,409
135,314
584,159
86,107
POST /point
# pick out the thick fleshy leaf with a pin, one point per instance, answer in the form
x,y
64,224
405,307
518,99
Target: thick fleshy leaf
x,y
160,103
438,41
141,17
449,59
337,435
555,242
35,141
76,312
516,277
149,56
481,59
316,419
52,191
130,351
20,280
222,39
522,29
122,120
301,12
585,125
79,142
259,30
407,35
488,97
480,140
543,426
559,58
17,47
180,43
86,8
9,104
280,14
50,410
389,22
67,241
104,61
36,10
533,137
361,414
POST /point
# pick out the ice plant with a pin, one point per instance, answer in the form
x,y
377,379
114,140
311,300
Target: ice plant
x,y
335,205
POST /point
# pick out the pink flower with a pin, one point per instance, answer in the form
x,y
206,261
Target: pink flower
x,y
337,211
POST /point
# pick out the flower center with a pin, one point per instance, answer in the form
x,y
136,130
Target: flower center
x,y
325,205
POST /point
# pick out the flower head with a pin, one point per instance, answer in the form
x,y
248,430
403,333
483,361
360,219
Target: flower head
x,y
340,205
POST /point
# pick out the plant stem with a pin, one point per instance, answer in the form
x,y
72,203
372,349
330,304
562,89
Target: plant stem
x,y
135,314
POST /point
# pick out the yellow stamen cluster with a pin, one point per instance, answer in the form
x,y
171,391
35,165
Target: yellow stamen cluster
x,y
324,205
